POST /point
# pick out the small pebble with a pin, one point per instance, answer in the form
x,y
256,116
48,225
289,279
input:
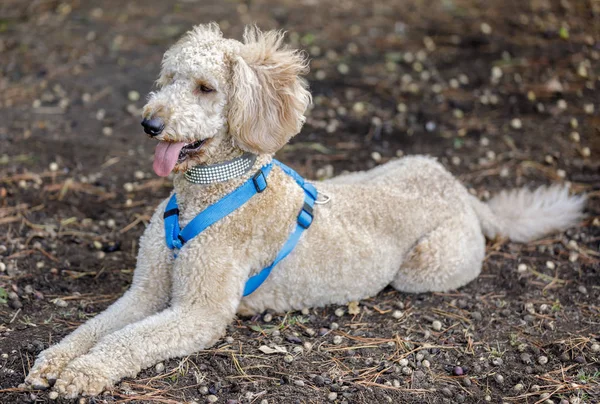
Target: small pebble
x,y
403,362
299,383
60,302
582,289
499,378
575,137
561,104
497,361
518,387
332,396
407,371
133,96
53,395
337,339
430,126
458,371
426,363
159,368
447,392
436,325
485,28
526,358
376,156
397,314
529,308
586,151
339,312
496,72
516,123
550,265
595,348
212,398
522,268
268,317
203,390
288,358
542,360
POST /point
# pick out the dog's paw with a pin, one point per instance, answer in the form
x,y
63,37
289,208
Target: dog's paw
x,y
47,368
81,377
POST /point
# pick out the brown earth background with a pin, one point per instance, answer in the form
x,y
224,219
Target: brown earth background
x,y
503,93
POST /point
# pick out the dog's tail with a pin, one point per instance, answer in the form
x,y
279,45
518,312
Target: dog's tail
x,y
523,215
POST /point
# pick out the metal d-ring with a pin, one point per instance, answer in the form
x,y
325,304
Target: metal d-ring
x,y
322,201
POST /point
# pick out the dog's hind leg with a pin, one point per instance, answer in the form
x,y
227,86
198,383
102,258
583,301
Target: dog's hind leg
x,y
448,257
148,294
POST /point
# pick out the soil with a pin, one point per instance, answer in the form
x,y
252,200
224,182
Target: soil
x,y
504,93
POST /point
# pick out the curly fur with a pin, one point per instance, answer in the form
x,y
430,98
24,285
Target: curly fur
x,y
408,223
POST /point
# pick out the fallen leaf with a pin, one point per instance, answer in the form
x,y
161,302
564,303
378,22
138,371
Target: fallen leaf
x,y
274,350
353,308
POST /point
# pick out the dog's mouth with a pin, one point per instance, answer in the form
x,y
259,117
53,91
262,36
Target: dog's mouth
x,y
168,154
188,149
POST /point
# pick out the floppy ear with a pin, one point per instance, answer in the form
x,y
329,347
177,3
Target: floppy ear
x,y
268,97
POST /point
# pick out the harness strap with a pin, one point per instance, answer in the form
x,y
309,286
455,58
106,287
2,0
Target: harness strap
x,y
304,220
176,238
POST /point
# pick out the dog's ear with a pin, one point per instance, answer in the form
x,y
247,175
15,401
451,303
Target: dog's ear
x,y
268,97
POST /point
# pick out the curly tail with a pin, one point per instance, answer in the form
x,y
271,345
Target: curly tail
x,y
523,215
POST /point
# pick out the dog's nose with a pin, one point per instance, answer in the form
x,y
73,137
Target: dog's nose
x,y
153,126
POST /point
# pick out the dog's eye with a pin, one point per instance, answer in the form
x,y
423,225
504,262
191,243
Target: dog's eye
x,y
204,89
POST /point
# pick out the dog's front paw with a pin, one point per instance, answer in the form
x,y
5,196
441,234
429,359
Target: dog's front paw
x,y
48,367
82,377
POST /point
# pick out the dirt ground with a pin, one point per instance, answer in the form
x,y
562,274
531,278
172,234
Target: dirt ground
x,y
504,93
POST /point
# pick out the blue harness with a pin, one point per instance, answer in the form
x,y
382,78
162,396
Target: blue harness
x,y
177,237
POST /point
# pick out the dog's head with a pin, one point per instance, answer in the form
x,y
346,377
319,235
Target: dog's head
x,y
218,97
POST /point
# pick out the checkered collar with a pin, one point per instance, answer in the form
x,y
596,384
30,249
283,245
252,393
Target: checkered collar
x,y
220,172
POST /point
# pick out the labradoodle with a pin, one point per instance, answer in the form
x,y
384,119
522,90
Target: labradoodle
x,y
222,109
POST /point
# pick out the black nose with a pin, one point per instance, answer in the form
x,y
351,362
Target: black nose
x,y
153,126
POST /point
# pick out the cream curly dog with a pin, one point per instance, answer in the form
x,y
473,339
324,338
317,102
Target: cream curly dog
x,y
407,223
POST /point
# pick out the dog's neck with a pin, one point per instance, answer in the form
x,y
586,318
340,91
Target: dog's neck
x,y
192,198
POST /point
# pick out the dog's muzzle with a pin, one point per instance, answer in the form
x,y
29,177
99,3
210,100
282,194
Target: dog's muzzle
x,y
153,126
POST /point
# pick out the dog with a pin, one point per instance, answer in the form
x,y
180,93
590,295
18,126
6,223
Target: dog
x,y
221,111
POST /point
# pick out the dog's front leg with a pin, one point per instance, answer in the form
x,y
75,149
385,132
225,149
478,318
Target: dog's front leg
x,y
149,293
206,293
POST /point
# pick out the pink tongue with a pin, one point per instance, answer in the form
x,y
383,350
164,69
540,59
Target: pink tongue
x,y
165,157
